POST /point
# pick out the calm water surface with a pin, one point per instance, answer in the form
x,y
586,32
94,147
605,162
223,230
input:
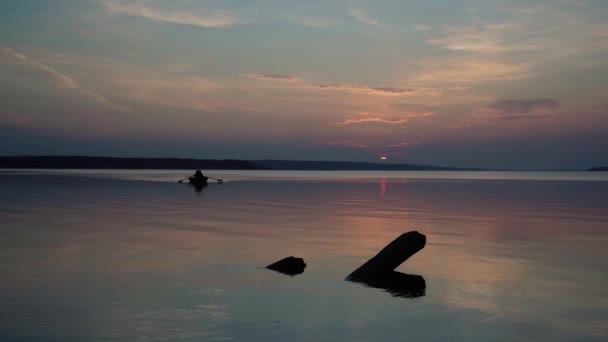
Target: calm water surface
x,y
132,255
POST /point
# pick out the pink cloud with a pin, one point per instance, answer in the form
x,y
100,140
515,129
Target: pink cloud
x,y
347,87
422,27
356,88
601,109
262,76
518,108
172,13
393,121
346,143
407,143
512,110
463,72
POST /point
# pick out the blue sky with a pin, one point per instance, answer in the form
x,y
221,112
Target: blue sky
x,y
507,84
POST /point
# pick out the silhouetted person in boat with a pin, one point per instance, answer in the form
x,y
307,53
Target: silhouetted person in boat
x,y
198,176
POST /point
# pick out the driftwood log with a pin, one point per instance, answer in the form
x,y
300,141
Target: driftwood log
x,y
379,271
393,255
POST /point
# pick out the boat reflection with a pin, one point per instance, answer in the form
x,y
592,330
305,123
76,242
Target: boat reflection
x,y
199,187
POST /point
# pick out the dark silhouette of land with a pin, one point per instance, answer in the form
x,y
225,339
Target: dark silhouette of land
x,y
358,166
379,271
602,168
87,162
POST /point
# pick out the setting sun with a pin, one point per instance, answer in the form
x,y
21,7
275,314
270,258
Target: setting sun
x,y
383,158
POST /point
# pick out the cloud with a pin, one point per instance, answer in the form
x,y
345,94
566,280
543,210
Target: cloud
x,y
360,16
168,12
443,71
315,22
405,144
515,107
540,35
600,109
152,88
270,77
422,27
175,85
105,101
598,38
346,143
366,118
20,60
484,38
356,120
514,110
61,80
355,88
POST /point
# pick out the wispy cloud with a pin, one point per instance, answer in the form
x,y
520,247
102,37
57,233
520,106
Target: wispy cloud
x,y
598,38
509,107
357,120
21,60
484,38
175,85
404,144
514,110
445,71
316,22
345,143
356,88
539,34
152,88
271,77
61,80
422,27
360,16
169,12
353,88
600,109
367,118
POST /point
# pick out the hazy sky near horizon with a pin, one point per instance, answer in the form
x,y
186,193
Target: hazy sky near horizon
x,y
481,83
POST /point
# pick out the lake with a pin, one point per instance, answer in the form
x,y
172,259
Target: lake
x,y
133,255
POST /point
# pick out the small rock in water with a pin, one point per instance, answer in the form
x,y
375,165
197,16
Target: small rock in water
x,y
290,266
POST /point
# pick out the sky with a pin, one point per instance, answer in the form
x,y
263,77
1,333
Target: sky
x,y
470,83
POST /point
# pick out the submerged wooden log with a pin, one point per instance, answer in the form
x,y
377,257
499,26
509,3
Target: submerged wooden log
x,y
391,256
290,266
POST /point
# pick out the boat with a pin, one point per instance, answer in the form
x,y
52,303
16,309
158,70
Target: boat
x,y
201,181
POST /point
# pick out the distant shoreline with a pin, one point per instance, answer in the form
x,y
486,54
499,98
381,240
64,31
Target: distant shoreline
x,y
139,163
89,162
